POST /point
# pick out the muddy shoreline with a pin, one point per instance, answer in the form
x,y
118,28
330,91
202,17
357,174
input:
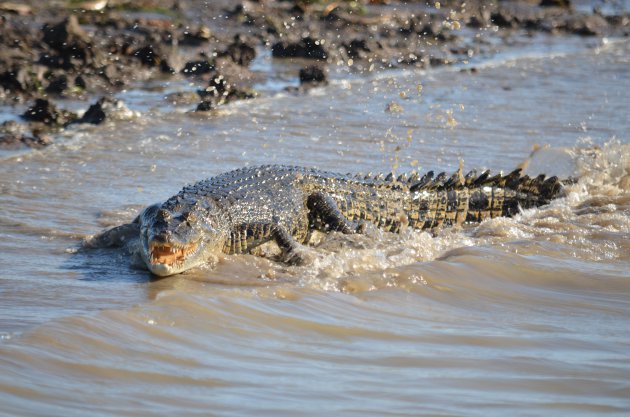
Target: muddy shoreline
x,y
72,50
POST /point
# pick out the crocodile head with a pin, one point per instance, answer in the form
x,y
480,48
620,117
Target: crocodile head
x,y
175,239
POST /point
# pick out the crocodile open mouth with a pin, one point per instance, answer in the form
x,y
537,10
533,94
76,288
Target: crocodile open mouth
x,y
170,254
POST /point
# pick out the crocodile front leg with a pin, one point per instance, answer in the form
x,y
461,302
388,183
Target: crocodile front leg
x,y
248,236
293,252
325,215
115,237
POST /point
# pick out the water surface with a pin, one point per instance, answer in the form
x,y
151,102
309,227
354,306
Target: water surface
x,y
526,315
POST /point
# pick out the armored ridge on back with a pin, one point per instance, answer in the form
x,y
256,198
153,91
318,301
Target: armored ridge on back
x,y
237,211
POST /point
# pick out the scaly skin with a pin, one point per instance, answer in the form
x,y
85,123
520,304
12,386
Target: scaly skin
x,y
239,210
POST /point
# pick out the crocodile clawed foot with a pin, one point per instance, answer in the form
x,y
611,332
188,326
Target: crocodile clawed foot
x,y
361,227
298,256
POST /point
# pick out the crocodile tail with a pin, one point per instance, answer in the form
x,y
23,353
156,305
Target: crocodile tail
x,y
507,195
545,188
492,196
538,191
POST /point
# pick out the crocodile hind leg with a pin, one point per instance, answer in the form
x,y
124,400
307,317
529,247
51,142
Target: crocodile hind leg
x,y
325,215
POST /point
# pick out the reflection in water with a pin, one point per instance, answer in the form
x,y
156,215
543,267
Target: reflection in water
x,y
528,312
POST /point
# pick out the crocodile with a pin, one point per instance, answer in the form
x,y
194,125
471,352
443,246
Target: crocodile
x,y
239,210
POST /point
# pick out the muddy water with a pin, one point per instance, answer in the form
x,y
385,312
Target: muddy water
x,y
526,315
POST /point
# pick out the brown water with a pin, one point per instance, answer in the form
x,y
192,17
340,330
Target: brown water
x,y
527,316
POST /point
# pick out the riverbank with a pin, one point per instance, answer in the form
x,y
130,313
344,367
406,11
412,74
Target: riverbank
x,y
56,57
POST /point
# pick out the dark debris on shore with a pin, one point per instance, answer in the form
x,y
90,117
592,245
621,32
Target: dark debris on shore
x,y
66,50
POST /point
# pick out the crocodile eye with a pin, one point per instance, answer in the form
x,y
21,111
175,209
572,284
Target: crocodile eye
x,y
163,214
190,217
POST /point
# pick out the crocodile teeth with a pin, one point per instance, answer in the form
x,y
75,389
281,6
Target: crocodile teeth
x,y
170,254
